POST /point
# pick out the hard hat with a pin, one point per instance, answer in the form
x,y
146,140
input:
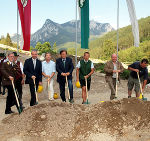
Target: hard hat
x,y
40,89
55,95
141,96
78,84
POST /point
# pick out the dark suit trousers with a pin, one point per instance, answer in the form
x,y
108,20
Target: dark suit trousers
x,y
62,90
32,91
19,90
1,86
11,100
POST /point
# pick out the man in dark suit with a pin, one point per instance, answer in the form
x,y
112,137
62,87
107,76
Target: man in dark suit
x,y
8,71
64,67
33,70
19,77
2,60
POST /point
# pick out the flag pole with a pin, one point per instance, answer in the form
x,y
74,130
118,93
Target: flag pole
x,y
17,30
117,28
76,35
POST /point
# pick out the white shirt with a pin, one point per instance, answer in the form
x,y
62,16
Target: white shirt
x,y
34,62
78,65
11,63
115,68
1,60
48,67
64,59
6,60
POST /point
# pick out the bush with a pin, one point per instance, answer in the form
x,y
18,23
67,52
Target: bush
x,y
43,48
99,67
125,74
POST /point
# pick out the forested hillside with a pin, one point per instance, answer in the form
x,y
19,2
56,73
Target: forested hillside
x,y
104,46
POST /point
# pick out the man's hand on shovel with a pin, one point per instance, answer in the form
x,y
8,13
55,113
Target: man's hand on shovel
x,y
33,77
49,79
116,71
11,78
86,76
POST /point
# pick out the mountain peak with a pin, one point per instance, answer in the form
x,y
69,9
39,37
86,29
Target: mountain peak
x,y
61,33
49,22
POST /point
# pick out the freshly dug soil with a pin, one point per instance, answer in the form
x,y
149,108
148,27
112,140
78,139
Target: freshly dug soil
x,y
122,120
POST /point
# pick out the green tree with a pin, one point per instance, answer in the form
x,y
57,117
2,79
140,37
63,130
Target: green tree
x,y
2,40
71,51
54,47
108,49
43,48
8,40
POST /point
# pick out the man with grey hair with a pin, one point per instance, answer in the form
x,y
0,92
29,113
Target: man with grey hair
x,y
48,71
33,71
8,71
113,68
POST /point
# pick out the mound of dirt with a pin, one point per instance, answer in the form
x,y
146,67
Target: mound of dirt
x,y
109,121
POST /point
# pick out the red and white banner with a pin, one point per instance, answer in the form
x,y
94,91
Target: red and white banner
x,y
24,7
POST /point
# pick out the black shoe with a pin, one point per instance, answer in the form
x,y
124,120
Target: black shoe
x,y
32,104
129,96
9,112
71,100
3,93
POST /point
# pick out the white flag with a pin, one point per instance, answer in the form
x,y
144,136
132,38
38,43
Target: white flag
x,y
134,22
79,9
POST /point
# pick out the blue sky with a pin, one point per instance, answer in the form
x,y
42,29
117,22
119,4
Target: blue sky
x,y
61,11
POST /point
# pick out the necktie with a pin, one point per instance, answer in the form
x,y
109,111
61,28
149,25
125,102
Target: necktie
x,y
34,63
64,62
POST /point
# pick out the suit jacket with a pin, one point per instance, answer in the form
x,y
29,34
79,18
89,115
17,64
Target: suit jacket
x,y
61,69
1,63
8,70
29,71
109,67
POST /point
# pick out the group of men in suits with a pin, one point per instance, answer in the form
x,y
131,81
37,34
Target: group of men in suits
x,y
13,72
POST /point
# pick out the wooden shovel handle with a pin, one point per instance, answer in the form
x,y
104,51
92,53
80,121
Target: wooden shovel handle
x,y
15,93
68,88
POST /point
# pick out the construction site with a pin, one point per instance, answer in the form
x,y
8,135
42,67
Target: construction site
x,y
121,119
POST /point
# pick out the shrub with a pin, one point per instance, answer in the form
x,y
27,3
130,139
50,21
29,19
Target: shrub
x,y
99,67
125,74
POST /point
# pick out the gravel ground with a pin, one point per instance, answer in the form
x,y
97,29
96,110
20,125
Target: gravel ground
x,y
119,120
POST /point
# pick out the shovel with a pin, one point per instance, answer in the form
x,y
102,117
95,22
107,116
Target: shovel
x,y
68,88
18,104
141,94
35,92
48,89
116,94
87,96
